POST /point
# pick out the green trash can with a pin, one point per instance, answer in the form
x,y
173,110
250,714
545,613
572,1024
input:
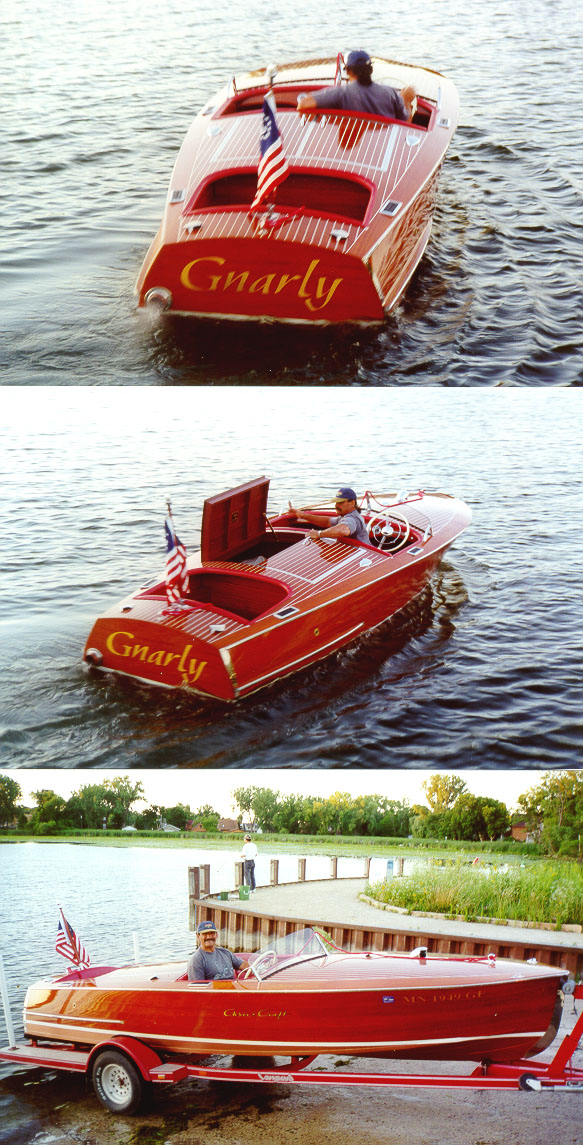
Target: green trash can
x,y
244,892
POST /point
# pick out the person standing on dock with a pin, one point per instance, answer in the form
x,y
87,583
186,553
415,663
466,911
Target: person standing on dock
x,y
249,855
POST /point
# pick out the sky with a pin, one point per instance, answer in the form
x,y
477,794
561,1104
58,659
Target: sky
x,y
196,788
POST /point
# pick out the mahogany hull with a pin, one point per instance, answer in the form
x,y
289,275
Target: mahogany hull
x,y
237,278
244,624
345,230
328,626
163,655
353,1004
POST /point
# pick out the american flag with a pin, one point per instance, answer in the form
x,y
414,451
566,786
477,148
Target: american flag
x,y
273,166
176,573
68,944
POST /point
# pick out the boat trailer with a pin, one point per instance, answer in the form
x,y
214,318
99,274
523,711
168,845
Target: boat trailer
x,y
121,1069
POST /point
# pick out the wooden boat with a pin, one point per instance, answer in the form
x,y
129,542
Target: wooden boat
x,y
305,997
264,600
346,228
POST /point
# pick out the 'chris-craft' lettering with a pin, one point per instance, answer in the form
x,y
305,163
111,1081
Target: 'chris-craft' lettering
x,y
116,644
202,275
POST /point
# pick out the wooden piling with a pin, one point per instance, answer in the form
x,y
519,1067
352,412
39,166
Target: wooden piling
x,y
193,895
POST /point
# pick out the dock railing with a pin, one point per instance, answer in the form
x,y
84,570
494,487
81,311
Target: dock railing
x,y
199,880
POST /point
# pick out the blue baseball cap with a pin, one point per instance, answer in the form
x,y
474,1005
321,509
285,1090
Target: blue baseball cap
x,y
355,59
204,926
345,494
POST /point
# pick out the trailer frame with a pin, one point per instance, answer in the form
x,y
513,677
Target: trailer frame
x,y
122,1068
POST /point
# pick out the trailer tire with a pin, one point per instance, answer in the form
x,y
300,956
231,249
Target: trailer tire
x,y
117,1083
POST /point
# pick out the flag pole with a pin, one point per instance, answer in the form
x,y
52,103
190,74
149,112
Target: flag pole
x,y
176,562
67,931
6,1006
170,517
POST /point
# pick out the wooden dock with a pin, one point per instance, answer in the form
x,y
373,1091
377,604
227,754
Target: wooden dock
x,y
334,905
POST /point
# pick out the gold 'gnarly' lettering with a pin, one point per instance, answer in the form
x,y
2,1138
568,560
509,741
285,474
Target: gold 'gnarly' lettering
x,y
316,292
159,656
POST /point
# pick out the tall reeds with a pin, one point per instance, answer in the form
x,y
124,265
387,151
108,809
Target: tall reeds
x,y
546,892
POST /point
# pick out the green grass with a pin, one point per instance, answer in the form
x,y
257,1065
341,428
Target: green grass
x,y
549,892
348,845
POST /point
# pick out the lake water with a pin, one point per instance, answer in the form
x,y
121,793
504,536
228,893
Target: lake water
x,y
98,98
485,671
85,880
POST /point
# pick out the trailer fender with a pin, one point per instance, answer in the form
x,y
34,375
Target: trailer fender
x,y
143,1057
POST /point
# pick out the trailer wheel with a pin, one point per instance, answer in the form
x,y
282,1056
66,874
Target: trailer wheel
x,y
117,1083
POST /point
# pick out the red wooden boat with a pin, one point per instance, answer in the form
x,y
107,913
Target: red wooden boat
x,y
264,600
347,227
306,997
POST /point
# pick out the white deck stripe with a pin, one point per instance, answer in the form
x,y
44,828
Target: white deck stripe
x,y
325,1046
303,143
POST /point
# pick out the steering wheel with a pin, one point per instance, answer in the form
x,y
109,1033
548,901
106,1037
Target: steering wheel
x,y
265,960
388,533
378,530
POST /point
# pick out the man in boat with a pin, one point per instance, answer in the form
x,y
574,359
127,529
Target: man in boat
x,y
361,93
210,961
348,523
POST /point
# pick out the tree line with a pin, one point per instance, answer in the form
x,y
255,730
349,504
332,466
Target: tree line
x,y
96,806
452,812
552,811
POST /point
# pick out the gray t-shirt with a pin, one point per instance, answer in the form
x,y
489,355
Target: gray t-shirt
x,y
374,99
220,964
355,524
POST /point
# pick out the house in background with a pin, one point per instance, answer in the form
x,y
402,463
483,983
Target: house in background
x,y
227,825
521,833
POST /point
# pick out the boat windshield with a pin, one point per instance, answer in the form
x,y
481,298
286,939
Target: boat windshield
x,y
299,946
